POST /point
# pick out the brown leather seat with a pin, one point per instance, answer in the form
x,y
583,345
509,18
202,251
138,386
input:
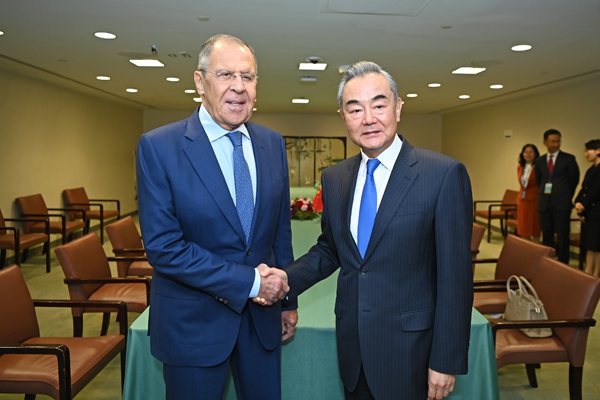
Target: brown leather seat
x,y
77,198
570,297
476,237
88,277
496,209
126,241
12,239
518,257
28,362
35,206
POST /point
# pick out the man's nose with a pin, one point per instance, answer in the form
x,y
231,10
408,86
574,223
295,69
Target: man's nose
x,y
369,117
237,84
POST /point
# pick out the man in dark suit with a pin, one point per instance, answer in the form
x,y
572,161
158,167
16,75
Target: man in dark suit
x,y
214,210
557,176
401,234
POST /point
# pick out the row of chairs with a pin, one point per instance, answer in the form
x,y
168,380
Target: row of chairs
x,y
570,297
39,223
28,362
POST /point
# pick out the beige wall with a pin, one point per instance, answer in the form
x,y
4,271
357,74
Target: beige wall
x,y
476,136
53,138
421,130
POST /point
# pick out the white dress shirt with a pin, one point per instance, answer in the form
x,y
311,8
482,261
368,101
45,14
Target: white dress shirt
x,y
381,176
223,149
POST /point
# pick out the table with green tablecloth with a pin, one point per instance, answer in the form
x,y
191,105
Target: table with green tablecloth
x,y
309,360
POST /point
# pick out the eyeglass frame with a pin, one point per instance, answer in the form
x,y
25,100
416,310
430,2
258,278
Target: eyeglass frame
x,y
218,74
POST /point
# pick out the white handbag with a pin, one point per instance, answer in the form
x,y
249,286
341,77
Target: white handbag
x,y
525,306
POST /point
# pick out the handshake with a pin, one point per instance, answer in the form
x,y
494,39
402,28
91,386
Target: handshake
x,y
273,285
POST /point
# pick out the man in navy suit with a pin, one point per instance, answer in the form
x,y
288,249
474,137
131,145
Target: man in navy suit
x,y
557,176
214,210
397,220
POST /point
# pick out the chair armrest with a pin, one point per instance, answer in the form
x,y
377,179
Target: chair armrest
x,y
509,211
120,306
550,323
61,216
490,282
484,201
129,252
80,281
130,259
16,235
500,205
81,210
485,260
110,201
490,288
45,221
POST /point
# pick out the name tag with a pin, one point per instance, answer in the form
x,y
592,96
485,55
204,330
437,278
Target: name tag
x,y
548,188
523,194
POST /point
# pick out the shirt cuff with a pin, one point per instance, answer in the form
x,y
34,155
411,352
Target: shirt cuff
x,y
256,285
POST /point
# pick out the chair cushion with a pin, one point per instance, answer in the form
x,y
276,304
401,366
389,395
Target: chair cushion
x,y
490,302
514,347
25,239
140,268
134,294
39,373
56,226
495,214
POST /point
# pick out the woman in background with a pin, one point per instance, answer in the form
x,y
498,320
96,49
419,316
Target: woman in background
x,y
587,205
528,215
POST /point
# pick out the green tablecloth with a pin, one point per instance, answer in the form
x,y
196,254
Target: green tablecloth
x,y
309,360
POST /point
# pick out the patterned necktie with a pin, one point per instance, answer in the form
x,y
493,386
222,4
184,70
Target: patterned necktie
x,y
550,165
368,208
244,196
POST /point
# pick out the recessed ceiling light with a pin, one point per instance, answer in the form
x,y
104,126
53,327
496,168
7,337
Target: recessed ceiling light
x,y
468,71
1,33
203,18
105,35
521,47
300,101
147,63
446,27
312,67
173,79
464,96
103,78
131,90
254,109
189,91
434,85
412,95
496,87
198,99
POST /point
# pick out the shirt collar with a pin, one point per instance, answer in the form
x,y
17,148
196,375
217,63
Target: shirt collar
x,y
213,130
388,156
554,155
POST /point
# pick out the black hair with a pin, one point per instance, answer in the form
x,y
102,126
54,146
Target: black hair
x,y
551,132
522,159
593,144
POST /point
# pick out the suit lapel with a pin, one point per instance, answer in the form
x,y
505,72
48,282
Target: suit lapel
x,y
263,176
200,153
401,179
348,185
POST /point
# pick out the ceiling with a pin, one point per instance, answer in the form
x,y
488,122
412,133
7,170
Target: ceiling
x,y
54,40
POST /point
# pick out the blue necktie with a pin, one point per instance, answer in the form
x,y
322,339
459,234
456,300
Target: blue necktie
x,y
244,196
368,208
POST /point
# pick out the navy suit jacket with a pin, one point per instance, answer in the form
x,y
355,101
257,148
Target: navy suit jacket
x,y
565,178
203,267
407,305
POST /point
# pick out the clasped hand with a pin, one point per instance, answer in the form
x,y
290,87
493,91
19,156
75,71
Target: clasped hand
x,y
273,285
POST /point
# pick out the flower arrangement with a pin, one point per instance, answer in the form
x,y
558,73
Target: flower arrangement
x,y
303,209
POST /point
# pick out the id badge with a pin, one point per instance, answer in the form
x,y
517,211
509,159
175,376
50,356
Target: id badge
x,y
548,188
523,194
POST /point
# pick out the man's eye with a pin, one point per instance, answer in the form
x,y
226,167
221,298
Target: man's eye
x,y
225,74
247,77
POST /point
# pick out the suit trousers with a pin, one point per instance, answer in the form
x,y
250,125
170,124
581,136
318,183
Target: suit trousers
x,y
256,371
559,222
362,390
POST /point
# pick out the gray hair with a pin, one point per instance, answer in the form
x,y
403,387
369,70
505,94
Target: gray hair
x,y
209,45
363,68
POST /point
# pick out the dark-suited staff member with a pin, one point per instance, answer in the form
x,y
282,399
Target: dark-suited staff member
x,y
587,204
214,206
397,219
557,175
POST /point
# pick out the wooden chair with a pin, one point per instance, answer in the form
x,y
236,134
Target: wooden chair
x,y
570,297
77,198
55,366
35,206
496,209
88,277
518,257
127,242
16,241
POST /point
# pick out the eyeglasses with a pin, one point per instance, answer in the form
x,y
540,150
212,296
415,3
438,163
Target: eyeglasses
x,y
228,76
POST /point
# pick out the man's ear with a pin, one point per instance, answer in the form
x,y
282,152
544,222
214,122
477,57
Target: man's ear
x,y
398,109
199,82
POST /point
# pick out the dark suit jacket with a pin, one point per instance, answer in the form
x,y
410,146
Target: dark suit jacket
x,y
565,177
407,305
203,267
589,195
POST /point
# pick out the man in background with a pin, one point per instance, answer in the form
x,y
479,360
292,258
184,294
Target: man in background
x,y
214,209
557,176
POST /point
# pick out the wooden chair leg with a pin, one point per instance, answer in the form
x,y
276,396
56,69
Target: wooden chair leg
x,y
25,255
30,397
123,353
531,374
78,326
47,257
2,258
86,230
489,227
102,229
575,382
105,322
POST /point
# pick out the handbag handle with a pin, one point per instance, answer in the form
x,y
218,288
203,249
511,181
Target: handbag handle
x,y
538,303
510,292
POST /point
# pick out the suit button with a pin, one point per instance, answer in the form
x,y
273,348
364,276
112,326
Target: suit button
x,y
225,302
363,271
249,252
